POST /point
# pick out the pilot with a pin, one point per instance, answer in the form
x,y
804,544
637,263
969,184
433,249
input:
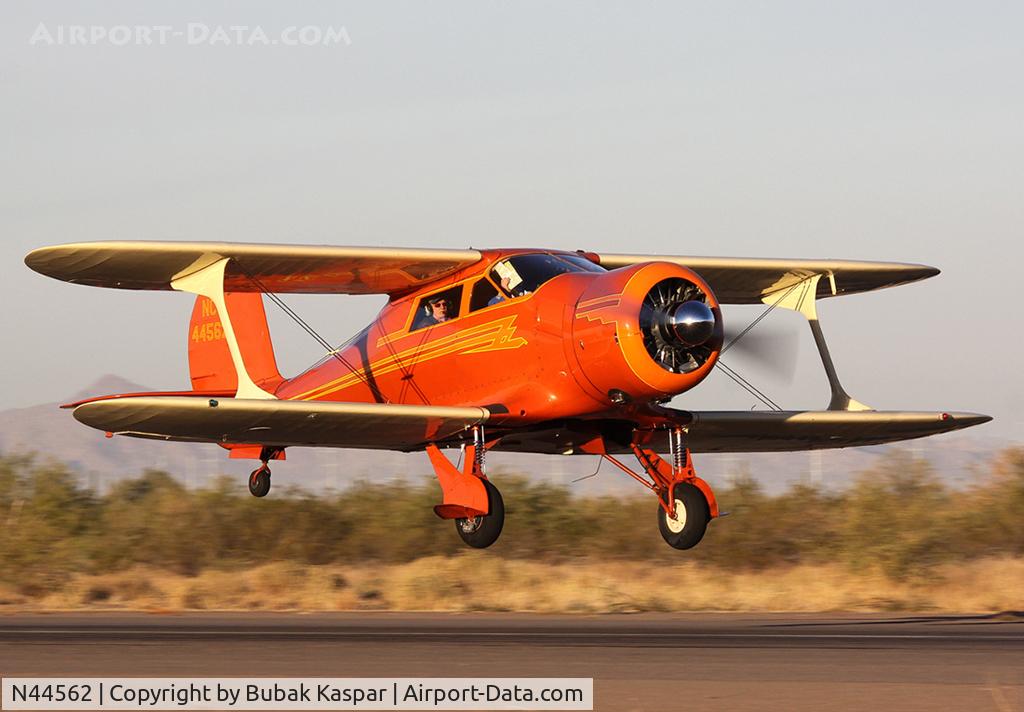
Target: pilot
x,y
440,311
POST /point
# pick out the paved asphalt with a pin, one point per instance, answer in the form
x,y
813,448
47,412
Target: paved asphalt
x,y
638,662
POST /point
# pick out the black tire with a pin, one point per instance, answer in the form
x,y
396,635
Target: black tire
x,y
690,502
259,482
481,532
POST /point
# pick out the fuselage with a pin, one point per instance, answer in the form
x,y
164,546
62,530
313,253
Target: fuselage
x,y
532,335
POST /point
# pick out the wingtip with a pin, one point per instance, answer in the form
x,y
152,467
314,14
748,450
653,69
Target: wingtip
x,y
32,258
967,420
40,260
82,412
917,272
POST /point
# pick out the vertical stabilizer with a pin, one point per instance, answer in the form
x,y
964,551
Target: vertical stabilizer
x,y
210,364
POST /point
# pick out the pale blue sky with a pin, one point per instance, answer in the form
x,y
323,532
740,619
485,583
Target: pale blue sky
x,y
859,130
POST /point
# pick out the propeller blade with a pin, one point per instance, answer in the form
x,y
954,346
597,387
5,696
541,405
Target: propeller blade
x,y
772,348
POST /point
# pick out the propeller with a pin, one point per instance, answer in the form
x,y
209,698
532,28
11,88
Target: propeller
x,y
772,347
679,328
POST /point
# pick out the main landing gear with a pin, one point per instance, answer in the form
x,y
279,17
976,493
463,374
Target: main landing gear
x,y
686,503
469,497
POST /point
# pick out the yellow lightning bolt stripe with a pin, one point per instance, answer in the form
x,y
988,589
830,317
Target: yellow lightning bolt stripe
x,y
492,336
599,315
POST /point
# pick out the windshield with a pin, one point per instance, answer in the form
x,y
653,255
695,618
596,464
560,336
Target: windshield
x,y
523,274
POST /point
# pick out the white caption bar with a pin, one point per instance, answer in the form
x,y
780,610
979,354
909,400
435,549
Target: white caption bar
x,y
298,693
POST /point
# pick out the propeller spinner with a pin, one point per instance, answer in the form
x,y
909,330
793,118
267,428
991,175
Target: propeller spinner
x,y
677,325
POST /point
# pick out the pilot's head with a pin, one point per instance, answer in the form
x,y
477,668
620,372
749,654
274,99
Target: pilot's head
x,y
440,309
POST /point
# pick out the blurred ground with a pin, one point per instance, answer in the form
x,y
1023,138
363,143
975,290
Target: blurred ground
x,y
639,662
479,581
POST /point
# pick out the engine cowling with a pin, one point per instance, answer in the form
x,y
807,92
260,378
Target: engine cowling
x,y
645,333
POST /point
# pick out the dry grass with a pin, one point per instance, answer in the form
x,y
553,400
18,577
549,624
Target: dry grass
x,y
478,582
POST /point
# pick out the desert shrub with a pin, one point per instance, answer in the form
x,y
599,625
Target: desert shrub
x,y
898,518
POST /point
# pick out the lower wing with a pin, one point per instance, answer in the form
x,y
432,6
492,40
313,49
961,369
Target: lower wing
x,y
385,426
748,431
380,426
745,431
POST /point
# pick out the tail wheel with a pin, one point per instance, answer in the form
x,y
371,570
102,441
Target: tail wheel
x,y
259,481
480,532
686,529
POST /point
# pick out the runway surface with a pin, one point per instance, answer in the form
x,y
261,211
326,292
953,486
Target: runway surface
x,y
638,662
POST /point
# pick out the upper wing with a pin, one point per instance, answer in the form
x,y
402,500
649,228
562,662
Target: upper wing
x,y
745,280
751,431
311,269
378,426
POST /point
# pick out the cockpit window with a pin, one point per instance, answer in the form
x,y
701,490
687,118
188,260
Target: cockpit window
x,y
437,308
523,274
484,294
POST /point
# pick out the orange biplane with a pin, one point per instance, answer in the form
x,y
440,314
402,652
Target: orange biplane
x,y
517,350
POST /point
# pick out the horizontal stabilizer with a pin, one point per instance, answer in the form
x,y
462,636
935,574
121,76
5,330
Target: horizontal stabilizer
x,y
749,280
308,269
377,426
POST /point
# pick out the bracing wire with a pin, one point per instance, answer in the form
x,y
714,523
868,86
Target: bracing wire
x,y
763,314
748,387
331,351
731,373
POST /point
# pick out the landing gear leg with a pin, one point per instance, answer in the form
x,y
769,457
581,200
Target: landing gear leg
x,y
469,497
683,522
685,502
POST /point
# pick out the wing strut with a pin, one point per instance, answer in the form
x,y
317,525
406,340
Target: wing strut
x,y
208,281
804,299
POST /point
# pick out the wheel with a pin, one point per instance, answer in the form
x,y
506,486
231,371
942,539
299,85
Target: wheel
x,y
691,521
259,481
480,532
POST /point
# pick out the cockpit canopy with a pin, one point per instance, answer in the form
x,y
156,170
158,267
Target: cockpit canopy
x,y
523,274
508,279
